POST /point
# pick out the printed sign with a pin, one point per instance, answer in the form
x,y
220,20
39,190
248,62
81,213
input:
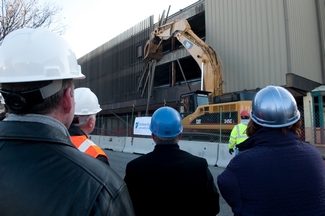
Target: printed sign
x,y
141,126
187,44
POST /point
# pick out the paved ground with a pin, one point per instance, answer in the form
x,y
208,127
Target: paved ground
x,y
118,161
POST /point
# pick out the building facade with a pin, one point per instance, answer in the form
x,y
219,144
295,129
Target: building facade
x,y
260,42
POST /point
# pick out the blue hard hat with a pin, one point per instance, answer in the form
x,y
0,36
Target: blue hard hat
x,y
275,107
166,122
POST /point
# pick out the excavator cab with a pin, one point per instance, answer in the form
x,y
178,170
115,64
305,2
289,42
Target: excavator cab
x,y
238,96
191,100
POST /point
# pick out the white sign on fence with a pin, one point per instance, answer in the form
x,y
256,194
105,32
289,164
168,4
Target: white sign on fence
x,y
141,126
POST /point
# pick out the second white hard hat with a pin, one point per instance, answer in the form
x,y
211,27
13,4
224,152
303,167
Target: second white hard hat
x,y
86,102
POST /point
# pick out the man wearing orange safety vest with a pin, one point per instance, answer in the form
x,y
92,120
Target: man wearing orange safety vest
x,y
84,121
238,133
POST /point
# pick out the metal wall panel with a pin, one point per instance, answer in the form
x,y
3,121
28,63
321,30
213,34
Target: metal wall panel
x,y
321,19
304,42
250,40
111,70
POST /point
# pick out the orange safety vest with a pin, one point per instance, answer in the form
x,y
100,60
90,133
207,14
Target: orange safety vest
x,y
87,146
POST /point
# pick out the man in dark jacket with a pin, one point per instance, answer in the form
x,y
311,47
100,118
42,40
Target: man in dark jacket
x,y
276,173
41,172
169,181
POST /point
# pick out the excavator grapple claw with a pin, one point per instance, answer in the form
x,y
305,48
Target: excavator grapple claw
x,y
153,50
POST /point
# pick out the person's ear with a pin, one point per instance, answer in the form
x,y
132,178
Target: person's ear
x,y
68,100
90,122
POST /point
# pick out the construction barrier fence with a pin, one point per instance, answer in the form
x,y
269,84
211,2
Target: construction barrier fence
x,y
313,130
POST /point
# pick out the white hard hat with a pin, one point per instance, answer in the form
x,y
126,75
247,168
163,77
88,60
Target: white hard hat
x,y
86,102
28,55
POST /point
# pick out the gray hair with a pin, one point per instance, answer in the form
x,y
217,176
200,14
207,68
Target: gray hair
x,y
83,119
163,141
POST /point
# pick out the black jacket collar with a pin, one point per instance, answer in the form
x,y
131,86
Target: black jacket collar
x,y
76,131
48,133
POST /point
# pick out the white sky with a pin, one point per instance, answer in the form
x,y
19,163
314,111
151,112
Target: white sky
x,y
94,22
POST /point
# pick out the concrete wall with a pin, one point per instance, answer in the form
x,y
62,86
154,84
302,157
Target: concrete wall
x,y
216,154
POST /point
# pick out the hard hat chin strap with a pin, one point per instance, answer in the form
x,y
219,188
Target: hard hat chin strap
x,y
19,100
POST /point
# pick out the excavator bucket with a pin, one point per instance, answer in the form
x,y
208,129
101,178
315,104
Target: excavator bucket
x,y
153,49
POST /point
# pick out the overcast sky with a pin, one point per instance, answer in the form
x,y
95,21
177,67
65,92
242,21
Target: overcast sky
x,y
94,22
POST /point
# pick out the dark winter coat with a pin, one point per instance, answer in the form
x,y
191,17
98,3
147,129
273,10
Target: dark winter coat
x,y
277,175
42,173
170,181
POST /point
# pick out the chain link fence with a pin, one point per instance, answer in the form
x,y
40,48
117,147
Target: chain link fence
x,y
114,126
123,126
313,130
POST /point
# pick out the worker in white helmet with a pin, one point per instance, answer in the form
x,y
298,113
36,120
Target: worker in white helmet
x,y
86,109
42,172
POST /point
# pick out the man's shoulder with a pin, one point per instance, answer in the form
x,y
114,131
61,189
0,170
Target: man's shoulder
x,y
33,131
152,156
54,144
88,163
194,158
87,167
141,159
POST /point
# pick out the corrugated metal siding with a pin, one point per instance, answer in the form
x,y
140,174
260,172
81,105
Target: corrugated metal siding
x,y
111,70
304,39
321,19
250,37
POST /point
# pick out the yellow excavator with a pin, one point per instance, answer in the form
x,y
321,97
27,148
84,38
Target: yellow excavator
x,y
205,111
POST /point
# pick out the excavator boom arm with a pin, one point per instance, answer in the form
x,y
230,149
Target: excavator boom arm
x,y
207,59
199,117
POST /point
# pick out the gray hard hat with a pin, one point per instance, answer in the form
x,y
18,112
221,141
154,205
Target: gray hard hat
x,y
275,107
